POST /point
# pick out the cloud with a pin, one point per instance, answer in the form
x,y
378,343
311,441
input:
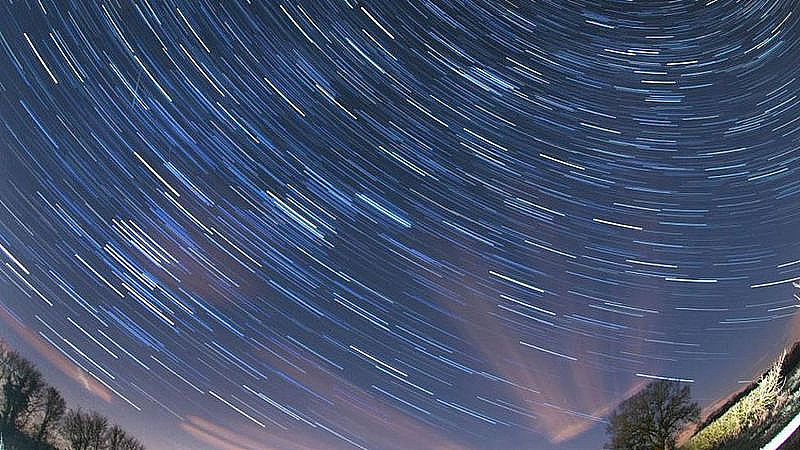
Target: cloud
x,y
220,437
56,359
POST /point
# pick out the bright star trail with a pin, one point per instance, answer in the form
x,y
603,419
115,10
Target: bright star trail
x,y
396,224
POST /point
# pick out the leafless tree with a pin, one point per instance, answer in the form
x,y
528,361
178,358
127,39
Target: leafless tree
x,y
33,414
84,431
131,444
51,407
5,355
650,419
117,439
74,430
22,382
97,427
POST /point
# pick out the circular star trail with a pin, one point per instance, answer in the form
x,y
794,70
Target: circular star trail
x,y
396,224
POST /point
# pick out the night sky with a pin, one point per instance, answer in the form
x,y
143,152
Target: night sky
x,y
401,224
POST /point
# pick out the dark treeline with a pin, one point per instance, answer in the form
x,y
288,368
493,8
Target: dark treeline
x,y
34,415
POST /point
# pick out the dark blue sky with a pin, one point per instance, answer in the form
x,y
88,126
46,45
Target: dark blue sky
x,y
396,224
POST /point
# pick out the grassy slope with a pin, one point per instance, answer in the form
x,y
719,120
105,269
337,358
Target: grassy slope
x,y
754,437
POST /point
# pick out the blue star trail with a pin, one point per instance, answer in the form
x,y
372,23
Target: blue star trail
x,y
345,224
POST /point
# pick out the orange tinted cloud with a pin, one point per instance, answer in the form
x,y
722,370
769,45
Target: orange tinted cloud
x,y
563,398
367,417
56,359
218,436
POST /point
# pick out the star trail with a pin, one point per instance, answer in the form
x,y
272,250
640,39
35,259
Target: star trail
x,y
450,224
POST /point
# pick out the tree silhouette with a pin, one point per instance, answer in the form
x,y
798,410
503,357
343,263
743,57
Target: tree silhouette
x,y
32,414
22,382
84,431
52,410
115,437
97,427
118,439
131,444
650,419
74,429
